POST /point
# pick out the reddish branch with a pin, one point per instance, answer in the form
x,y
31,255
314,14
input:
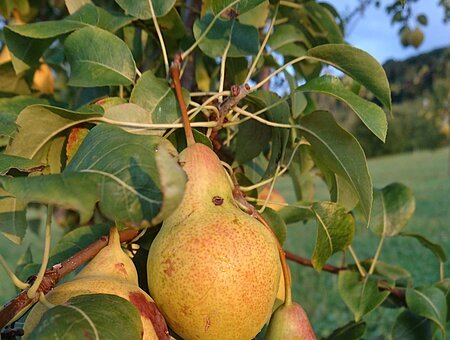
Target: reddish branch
x,y
398,293
22,302
308,263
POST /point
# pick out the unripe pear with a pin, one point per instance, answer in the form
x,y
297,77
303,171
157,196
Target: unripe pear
x,y
416,37
111,271
290,322
405,36
213,270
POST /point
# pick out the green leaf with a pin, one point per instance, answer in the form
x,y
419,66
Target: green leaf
x,y
26,165
38,124
76,240
359,65
242,7
335,230
13,222
94,62
435,248
276,223
251,130
389,271
411,326
141,8
132,177
244,39
10,109
157,97
327,28
287,35
345,158
92,316
422,19
91,15
131,113
393,206
444,286
75,5
369,113
351,331
25,52
429,302
296,212
12,83
360,295
278,113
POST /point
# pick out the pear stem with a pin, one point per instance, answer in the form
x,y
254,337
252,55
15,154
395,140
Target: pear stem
x,y
175,73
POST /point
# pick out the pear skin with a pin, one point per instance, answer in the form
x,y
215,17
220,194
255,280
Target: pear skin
x,y
290,323
213,270
111,271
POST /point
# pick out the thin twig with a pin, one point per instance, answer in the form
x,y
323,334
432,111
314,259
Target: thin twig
x,y
263,45
160,37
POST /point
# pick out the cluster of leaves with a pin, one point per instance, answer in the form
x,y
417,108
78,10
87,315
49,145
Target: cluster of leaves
x,y
101,141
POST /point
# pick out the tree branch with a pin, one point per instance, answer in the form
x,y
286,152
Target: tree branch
x,y
397,293
22,302
308,263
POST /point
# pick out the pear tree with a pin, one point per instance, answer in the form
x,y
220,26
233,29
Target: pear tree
x,y
146,140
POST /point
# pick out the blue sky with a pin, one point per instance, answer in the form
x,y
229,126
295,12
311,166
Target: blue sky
x,y
374,33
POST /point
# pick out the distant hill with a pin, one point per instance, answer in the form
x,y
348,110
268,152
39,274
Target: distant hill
x,y
417,75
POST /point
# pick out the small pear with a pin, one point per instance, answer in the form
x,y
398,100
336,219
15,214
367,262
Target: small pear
x,y
213,270
111,271
290,322
416,37
276,200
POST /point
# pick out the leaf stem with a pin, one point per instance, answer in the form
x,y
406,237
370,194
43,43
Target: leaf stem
x,y
377,254
361,270
175,73
160,37
210,26
272,185
265,121
263,45
223,62
290,4
14,279
257,185
34,287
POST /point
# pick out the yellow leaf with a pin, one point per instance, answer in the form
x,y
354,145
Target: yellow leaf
x,y
5,56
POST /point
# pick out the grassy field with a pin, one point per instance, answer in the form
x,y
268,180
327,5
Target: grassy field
x,y
426,172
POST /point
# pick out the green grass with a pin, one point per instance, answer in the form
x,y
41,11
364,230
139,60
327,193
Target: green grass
x,y
426,172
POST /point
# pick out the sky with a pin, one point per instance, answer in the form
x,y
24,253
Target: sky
x,y
374,33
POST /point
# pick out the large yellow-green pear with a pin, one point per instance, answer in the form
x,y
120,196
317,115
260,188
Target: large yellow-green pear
x,y
213,270
111,271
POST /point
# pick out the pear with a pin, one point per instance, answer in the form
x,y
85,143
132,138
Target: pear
x,y
213,270
276,200
111,271
290,322
416,37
